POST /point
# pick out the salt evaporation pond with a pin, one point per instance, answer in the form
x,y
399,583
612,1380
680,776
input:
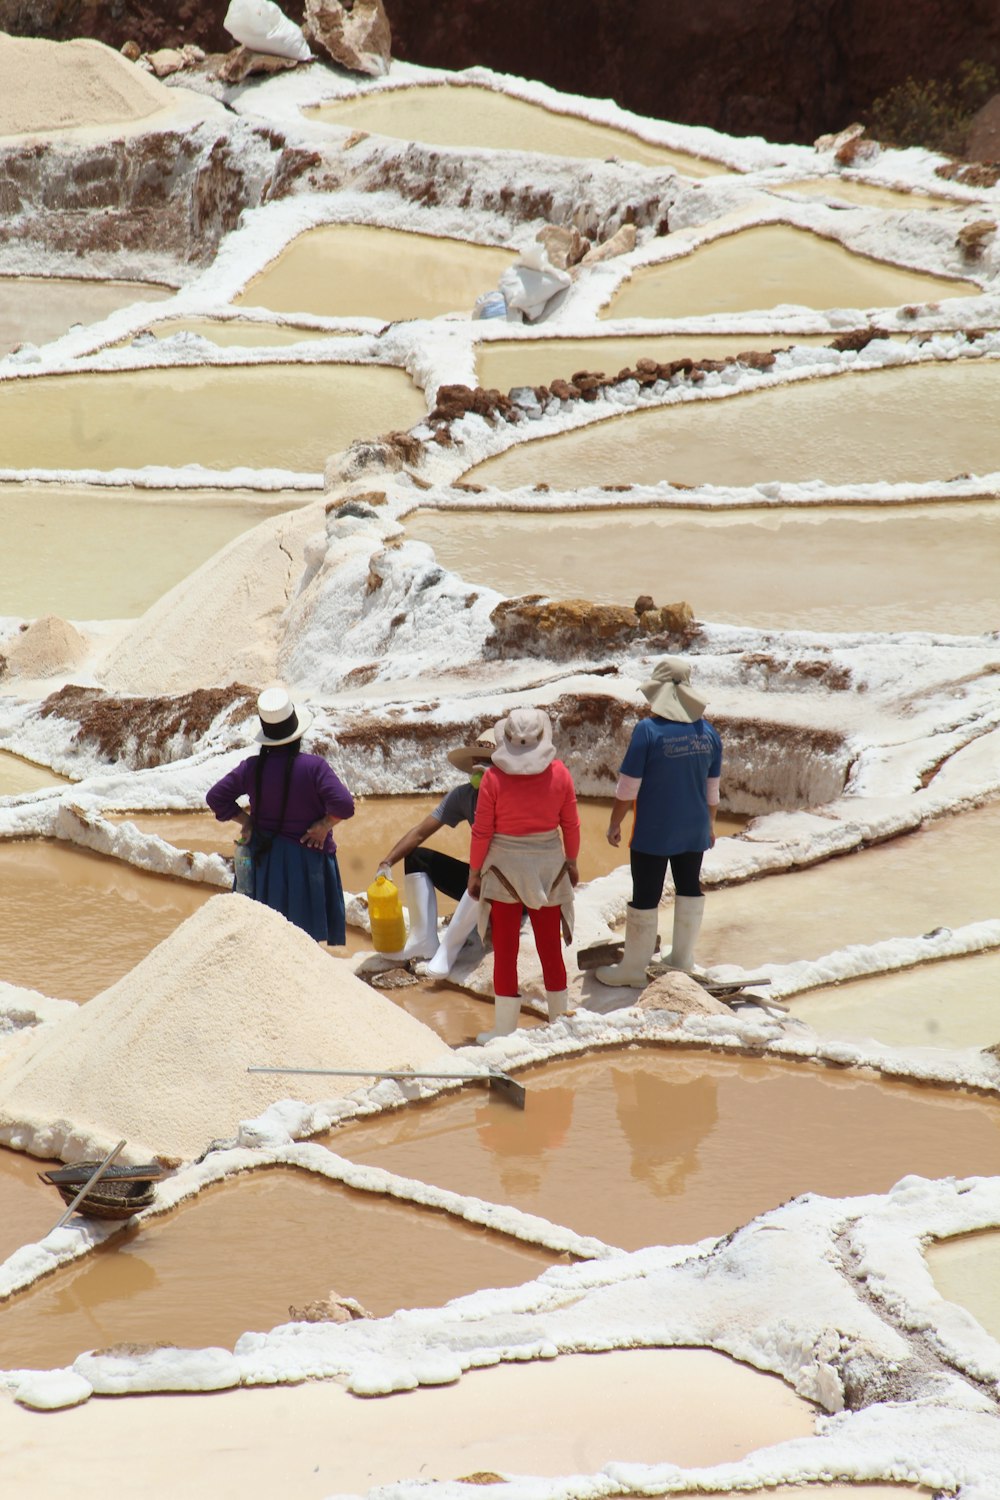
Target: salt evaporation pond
x,y
774,264
447,114
243,331
863,194
241,1253
18,776
831,569
645,1146
355,270
30,1209
74,921
928,421
287,416
35,309
966,1270
947,1004
93,553
902,888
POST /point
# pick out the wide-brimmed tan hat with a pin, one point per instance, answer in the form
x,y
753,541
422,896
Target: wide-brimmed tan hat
x,y
281,721
479,752
524,742
668,694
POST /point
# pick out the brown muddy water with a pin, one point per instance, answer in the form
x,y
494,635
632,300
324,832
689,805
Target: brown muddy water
x,y
286,416
18,776
873,568
242,331
771,265
35,309
237,1257
966,1270
93,553
446,114
355,270
906,425
648,1146
30,1209
863,194
952,1003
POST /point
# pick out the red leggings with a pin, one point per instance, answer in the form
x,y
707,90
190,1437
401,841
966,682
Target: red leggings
x,y
546,923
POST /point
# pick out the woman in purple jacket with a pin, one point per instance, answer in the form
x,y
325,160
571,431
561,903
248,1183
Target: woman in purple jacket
x,y
295,800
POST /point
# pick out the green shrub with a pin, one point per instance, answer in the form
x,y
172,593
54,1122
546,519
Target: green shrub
x,y
935,113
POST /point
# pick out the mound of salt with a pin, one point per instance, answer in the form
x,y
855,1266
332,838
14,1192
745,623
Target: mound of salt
x,y
63,85
161,1057
46,646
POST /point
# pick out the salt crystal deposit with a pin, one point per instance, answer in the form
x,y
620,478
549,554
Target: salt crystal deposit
x,y
62,85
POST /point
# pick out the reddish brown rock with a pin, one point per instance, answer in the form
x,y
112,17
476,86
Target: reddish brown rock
x,y
983,140
564,247
353,33
972,239
565,628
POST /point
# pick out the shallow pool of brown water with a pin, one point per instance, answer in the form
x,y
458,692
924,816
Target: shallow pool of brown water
x,y
834,569
287,416
771,265
863,194
446,114
356,270
925,422
17,776
74,922
30,1208
237,1257
649,1146
242,331
943,875
966,1270
952,1003
89,553
35,309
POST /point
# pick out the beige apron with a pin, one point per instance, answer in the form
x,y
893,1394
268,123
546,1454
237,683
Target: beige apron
x,y
530,868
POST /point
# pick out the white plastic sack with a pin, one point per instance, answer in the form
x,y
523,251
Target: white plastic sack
x,y
532,283
490,305
262,27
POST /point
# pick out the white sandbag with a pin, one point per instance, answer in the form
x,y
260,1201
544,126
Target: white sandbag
x,y
532,283
261,26
489,305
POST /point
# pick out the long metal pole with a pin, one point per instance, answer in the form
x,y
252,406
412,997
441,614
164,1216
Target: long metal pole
x,y
95,1176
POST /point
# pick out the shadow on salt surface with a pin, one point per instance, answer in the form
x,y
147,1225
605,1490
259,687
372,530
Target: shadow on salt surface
x,y
91,553
948,1004
966,1270
74,922
770,265
357,270
454,114
17,776
285,416
239,1255
928,421
36,309
902,888
652,1146
872,568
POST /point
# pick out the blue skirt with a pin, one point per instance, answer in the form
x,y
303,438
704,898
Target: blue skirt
x,y
304,885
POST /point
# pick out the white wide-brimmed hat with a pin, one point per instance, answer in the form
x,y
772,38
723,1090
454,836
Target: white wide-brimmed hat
x,y
524,742
668,693
280,721
480,752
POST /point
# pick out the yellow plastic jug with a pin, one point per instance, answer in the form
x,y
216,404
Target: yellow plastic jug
x,y
386,912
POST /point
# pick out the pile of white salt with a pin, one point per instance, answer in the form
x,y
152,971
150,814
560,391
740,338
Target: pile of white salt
x,y
161,1057
63,85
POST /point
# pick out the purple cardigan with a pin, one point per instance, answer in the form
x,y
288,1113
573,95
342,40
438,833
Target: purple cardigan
x,y
315,792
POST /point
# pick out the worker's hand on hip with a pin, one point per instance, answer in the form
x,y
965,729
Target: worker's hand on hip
x,y
614,837
572,872
475,884
315,836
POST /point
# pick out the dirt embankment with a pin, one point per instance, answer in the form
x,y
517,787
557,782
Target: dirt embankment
x,y
785,69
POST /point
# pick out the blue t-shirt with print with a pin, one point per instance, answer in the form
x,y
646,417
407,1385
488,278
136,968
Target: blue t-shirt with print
x,y
675,762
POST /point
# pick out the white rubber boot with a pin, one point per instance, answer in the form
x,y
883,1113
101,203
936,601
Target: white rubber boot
x,y
640,941
507,1008
558,1003
464,919
421,903
688,912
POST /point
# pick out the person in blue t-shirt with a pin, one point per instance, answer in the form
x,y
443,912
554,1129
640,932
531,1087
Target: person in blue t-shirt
x,y
671,774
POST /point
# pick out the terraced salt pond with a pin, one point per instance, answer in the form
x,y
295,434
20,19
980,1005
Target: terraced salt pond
x,y
863,194
94,553
18,775
771,265
929,421
287,416
966,1270
645,1146
355,270
35,309
837,568
450,114
242,331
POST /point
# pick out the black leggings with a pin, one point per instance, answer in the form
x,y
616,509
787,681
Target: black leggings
x,y
649,872
450,876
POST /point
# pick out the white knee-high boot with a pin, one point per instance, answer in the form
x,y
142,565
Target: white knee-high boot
x,y
464,918
640,941
421,904
507,1008
558,1002
688,912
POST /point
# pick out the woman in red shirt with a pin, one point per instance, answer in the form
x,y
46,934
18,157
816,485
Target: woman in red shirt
x,y
519,860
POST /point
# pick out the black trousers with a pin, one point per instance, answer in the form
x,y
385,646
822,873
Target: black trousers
x,y
450,876
649,871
